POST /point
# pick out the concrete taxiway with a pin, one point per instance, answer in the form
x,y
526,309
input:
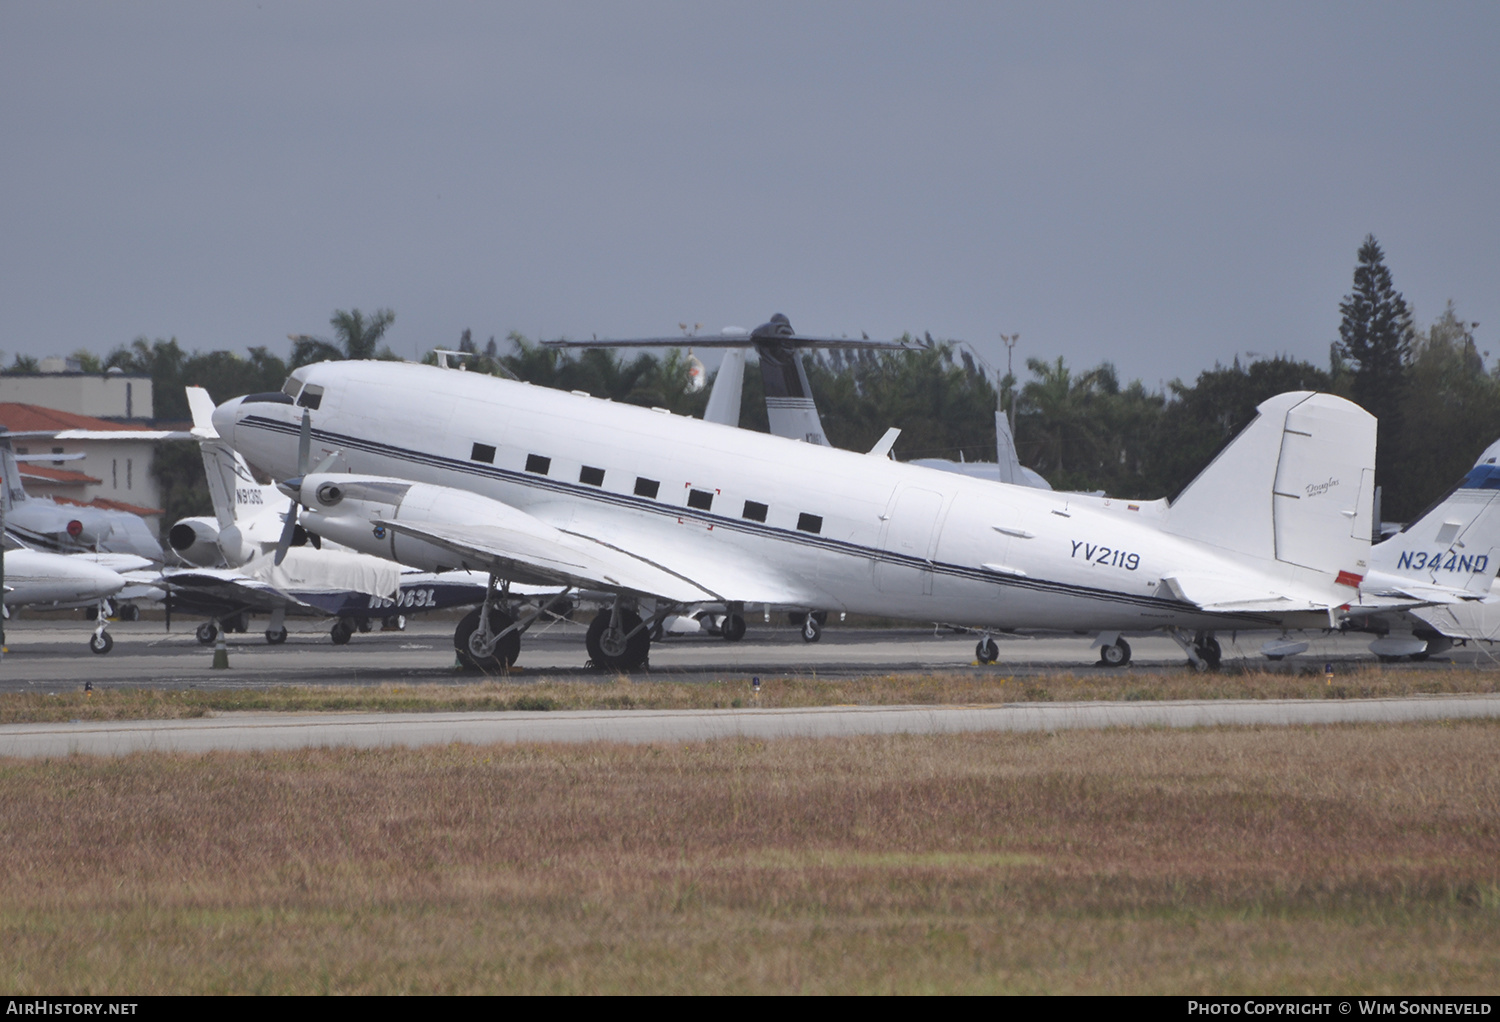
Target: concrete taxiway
x,y
247,732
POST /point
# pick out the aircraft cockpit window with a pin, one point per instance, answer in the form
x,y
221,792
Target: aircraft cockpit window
x,y
591,476
311,396
810,523
484,453
646,487
538,464
703,500
292,385
270,397
755,511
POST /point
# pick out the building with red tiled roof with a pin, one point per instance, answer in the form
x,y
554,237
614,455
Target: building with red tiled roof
x,y
100,463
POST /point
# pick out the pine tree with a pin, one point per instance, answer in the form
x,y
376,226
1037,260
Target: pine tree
x,y
1376,337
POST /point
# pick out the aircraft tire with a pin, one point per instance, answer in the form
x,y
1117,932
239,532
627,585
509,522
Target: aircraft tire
x,y
733,627
987,651
1117,654
129,612
507,650
275,636
207,632
363,624
637,648
340,633
812,629
101,643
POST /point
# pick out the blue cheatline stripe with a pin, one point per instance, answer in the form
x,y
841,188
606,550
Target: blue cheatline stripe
x,y
602,496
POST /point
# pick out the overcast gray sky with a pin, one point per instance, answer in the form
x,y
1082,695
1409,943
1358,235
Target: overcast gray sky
x,y
1161,185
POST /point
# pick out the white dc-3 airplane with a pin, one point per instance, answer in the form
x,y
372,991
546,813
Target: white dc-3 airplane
x,y
438,469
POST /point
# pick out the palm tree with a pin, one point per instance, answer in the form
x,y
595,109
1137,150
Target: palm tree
x,y
357,338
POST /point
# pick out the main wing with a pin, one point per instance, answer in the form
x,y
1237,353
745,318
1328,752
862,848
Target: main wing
x,y
482,533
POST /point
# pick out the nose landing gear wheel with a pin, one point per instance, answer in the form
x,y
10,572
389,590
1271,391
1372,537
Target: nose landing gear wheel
x,y
207,632
812,629
101,643
275,636
340,633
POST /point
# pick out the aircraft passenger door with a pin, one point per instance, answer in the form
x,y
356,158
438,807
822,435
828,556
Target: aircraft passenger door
x,y
906,543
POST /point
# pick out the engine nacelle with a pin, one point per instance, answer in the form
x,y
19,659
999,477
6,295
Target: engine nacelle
x,y
235,548
348,509
196,541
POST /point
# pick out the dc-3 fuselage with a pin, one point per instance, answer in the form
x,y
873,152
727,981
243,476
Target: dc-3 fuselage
x,y
438,468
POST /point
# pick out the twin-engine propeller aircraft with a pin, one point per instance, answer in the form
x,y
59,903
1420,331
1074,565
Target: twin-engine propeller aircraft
x,y
438,469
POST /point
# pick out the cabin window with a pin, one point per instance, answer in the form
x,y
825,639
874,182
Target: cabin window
x,y
591,476
646,487
484,453
311,397
538,464
810,523
755,511
700,499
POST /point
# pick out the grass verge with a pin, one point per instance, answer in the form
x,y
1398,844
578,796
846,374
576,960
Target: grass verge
x,y
1231,861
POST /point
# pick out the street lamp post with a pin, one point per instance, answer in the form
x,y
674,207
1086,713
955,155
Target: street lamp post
x,y
1010,347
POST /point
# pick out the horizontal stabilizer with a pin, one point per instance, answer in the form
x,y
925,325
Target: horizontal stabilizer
x,y
1222,594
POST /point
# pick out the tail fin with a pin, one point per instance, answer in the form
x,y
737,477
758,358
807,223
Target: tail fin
x,y
229,478
729,383
11,490
1456,545
1296,486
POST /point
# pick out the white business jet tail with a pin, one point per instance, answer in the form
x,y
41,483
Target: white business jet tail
x,y
1452,552
1295,490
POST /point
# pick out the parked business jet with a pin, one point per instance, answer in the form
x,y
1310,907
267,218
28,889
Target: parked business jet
x,y
39,578
434,469
42,523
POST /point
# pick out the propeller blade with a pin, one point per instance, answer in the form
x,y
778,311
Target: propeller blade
x,y
304,443
287,531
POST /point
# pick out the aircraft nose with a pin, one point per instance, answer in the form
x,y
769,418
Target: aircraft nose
x,y
100,580
226,417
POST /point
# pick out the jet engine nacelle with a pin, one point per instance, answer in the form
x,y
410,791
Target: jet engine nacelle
x,y
196,541
235,548
350,510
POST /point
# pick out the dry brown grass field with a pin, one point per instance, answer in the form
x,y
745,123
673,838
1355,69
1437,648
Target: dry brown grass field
x,y
652,692
1347,859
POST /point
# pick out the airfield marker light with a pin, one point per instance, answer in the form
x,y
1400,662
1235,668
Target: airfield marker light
x,y
1328,671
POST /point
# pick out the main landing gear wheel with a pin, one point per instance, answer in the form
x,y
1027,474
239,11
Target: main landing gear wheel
x,y
207,632
129,612
617,649
341,633
475,652
101,643
1116,654
988,650
275,636
733,627
1209,653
